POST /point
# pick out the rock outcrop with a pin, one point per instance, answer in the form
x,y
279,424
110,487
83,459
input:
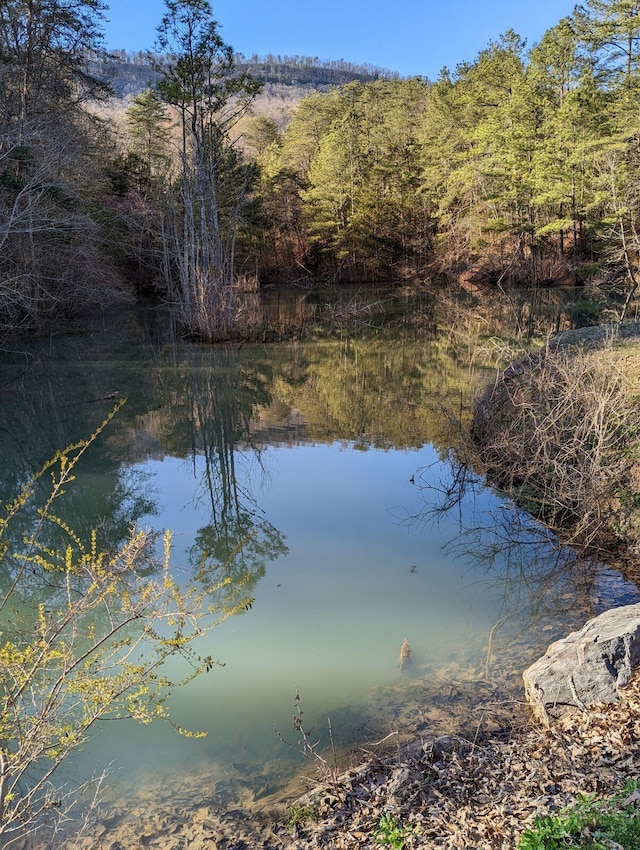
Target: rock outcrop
x,y
589,666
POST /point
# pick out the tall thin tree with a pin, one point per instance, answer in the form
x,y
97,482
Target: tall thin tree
x,y
207,204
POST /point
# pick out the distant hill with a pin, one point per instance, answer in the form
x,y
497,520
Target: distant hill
x,y
130,74
312,72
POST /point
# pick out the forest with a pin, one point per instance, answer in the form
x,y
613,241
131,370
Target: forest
x,y
518,167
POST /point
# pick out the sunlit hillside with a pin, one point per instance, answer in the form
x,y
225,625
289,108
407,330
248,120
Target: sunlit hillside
x,y
287,79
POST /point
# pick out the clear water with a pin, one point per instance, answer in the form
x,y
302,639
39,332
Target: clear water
x,y
323,451
329,615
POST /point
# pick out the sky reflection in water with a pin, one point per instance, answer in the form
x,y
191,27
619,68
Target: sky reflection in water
x,y
330,614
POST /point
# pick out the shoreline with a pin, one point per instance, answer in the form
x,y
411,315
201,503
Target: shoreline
x,y
452,793
445,790
556,430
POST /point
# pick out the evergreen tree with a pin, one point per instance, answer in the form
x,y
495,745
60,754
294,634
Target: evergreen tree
x,y
570,105
478,139
149,131
353,175
284,168
611,32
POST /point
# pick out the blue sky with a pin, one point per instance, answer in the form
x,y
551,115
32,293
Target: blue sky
x,y
408,36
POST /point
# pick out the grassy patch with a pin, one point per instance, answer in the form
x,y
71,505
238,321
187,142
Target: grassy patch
x,y
590,824
301,813
391,832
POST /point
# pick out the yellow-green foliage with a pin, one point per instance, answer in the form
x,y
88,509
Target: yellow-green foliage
x,y
84,634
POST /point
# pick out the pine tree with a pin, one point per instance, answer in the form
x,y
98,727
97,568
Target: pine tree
x,y
570,104
148,122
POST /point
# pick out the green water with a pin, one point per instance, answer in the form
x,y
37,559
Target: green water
x,y
312,464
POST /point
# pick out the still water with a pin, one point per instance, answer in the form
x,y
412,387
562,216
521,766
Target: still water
x,y
311,470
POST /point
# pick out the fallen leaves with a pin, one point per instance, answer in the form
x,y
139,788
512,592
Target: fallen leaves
x,y
485,796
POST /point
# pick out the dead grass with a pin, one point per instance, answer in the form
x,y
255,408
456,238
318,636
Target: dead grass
x,y
558,430
628,354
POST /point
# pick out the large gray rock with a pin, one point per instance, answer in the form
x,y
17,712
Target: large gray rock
x,y
588,666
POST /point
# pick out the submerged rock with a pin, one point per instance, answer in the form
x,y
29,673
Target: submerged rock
x,y
405,654
589,666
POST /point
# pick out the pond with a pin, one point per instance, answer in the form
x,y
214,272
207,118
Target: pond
x,y
313,471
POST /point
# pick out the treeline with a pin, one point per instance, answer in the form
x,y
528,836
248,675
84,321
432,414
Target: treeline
x,y
519,167
340,189
131,72
310,71
522,166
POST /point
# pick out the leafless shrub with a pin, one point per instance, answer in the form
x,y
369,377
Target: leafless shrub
x,y
557,430
247,282
54,249
355,309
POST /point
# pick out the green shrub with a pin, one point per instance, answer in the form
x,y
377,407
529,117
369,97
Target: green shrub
x,y
391,832
589,824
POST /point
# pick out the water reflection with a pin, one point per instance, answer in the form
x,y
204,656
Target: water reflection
x,y
221,394
288,470
542,582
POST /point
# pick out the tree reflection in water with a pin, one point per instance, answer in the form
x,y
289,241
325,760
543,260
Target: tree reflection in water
x,y
539,580
239,541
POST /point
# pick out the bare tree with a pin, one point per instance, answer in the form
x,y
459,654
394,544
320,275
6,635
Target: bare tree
x,y
51,262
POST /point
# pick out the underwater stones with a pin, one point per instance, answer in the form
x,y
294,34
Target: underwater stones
x,y
588,666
